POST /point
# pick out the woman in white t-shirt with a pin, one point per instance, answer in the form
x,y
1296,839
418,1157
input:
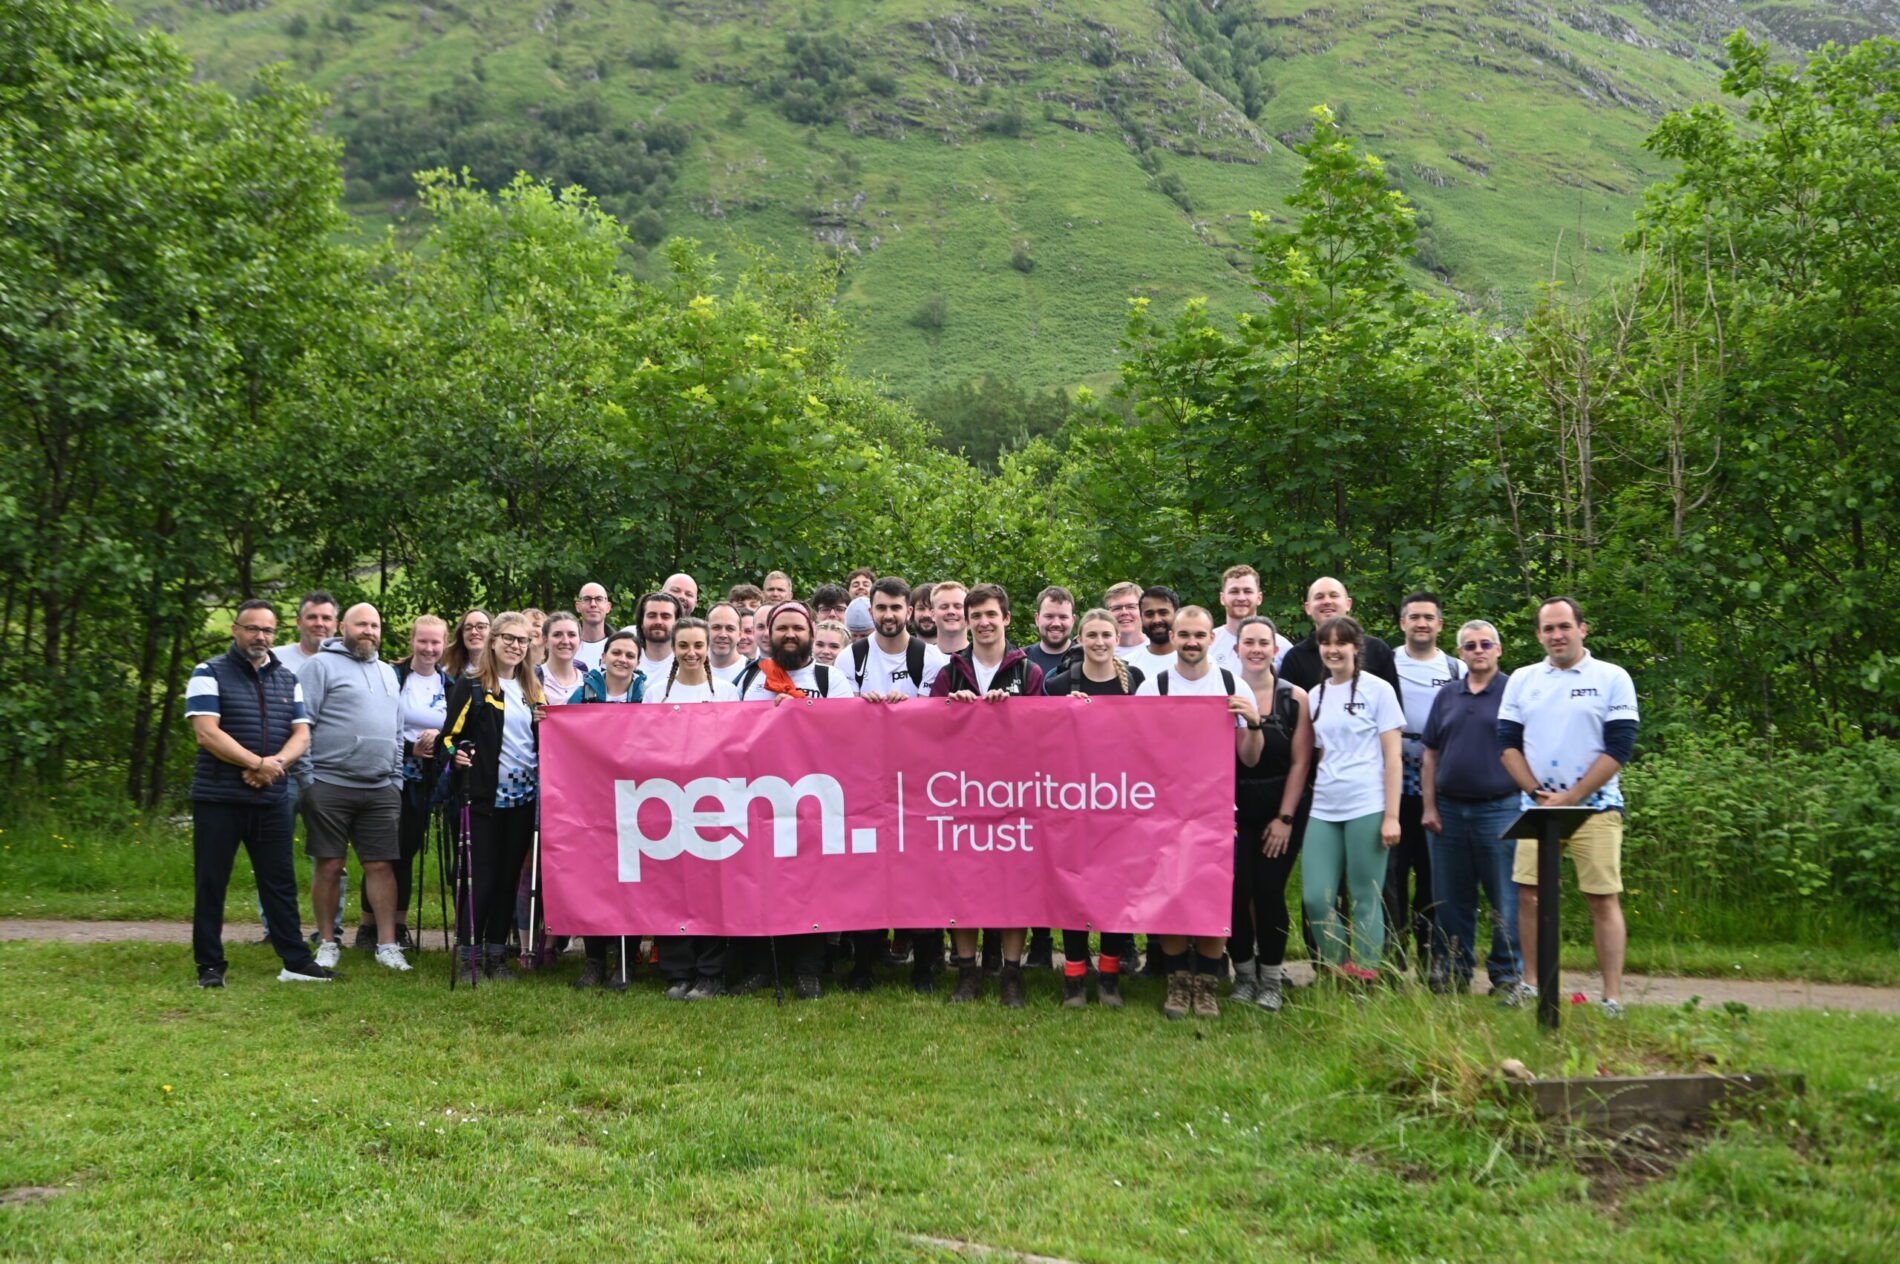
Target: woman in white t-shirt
x,y
1357,723
561,675
690,679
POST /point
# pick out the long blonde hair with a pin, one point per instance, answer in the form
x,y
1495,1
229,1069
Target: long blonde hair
x,y
1097,615
524,673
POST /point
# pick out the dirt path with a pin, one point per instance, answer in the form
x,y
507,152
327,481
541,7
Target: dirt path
x,y
1637,988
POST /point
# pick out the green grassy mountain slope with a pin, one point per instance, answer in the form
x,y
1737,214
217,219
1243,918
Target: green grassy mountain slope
x,y
1000,177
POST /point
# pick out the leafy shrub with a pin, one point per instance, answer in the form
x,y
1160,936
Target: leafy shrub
x,y
1020,258
931,314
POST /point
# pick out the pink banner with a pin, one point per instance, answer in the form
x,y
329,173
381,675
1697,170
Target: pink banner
x,y
749,819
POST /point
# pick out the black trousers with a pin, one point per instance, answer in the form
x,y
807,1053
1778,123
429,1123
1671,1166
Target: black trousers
x,y
1408,903
264,831
1115,943
499,840
684,958
411,832
797,955
1260,915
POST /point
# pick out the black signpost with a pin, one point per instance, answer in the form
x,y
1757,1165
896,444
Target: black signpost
x,y
1549,826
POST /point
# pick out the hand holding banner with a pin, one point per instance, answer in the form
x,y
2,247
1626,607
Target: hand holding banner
x,y
749,819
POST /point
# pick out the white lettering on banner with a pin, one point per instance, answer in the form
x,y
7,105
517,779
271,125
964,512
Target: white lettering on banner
x,y
718,834
1042,791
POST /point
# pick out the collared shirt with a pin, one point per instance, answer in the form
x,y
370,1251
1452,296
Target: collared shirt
x,y
1563,711
1463,729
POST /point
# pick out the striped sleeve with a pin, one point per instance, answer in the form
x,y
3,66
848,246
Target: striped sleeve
x,y
201,692
297,714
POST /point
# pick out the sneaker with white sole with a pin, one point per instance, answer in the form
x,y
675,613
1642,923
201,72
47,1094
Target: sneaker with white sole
x,y
327,954
310,972
1610,1008
390,957
1515,995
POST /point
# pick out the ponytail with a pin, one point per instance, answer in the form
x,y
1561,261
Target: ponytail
x,y
672,673
1121,674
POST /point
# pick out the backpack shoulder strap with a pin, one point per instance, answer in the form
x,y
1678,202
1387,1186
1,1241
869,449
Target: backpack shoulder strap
x,y
913,661
860,658
744,679
822,674
1161,682
1227,678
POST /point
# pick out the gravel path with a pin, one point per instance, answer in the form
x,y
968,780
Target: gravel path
x,y
1637,988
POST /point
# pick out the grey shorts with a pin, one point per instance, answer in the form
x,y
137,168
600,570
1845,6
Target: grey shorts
x,y
336,816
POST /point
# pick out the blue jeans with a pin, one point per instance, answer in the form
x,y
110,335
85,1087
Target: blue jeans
x,y
1466,855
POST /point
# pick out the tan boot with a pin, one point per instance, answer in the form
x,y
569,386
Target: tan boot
x,y
1180,996
1202,996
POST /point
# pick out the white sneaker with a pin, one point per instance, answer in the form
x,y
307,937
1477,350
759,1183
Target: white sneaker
x,y
327,954
1611,1009
390,955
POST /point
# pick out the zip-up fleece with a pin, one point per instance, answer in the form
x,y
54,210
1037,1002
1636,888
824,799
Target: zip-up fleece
x,y
1016,674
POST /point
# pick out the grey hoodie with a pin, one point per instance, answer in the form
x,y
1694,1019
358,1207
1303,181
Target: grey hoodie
x,y
355,710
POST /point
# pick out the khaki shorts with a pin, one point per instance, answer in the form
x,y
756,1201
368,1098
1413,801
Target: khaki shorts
x,y
1596,849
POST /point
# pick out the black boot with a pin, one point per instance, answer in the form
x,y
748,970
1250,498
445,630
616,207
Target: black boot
x,y
1042,951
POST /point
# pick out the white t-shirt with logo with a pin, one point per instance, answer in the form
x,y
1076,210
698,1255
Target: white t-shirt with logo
x,y
805,678
1226,650
884,671
1421,679
714,690
727,674
1563,711
1210,685
589,653
1347,724
424,704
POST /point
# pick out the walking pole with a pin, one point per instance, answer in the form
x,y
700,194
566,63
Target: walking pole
x,y
623,961
530,959
440,818
467,868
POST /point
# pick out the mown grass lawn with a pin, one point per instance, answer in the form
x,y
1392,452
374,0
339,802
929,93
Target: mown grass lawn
x,y
385,1118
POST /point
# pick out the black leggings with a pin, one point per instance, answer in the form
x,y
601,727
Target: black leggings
x,y
1115,943
411,833
499,840
1261,919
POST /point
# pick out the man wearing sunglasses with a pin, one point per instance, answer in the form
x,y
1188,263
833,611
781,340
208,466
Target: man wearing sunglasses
x,y
1426,670
1467,800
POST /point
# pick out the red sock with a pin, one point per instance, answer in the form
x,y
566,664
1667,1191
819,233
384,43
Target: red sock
x,y
1075,969
1106,964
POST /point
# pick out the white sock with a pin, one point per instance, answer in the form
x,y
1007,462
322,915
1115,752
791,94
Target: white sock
x,y
1272,974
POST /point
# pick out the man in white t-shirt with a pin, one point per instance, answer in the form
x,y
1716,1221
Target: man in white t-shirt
x,y
1192,984
1123,602
880,665
1423,669
1567,726
1240,599
653,620
787,666
946,605
1159,604
593,607
722,638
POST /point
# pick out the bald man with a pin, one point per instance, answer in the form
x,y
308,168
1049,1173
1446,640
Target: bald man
x,y
685,589
355,792
592,605
1327,598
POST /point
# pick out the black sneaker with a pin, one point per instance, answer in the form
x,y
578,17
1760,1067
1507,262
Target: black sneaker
x,y
210,976
1010,983
593,974
969,983
753,982
1042,952
809,987
307,972
495,966
860,979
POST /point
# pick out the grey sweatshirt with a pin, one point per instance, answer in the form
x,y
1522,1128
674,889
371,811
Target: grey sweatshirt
x,y
355,710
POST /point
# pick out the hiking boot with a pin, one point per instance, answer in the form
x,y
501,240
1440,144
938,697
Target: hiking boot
x,y
365,937
1075,991
860,979
752,983
705,990
619,978
809,988
495,966
328,952
1246,984
969,983
309,972
211,976
677,990
1201,996
593,974
1010,983
1180,997
1042,951
390,957
1270,994
1108,990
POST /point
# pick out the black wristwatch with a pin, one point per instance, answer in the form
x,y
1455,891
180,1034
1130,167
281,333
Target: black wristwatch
x,y
1286,818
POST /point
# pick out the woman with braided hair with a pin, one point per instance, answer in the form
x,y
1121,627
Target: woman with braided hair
x,y
1357,722
689,678
1101,673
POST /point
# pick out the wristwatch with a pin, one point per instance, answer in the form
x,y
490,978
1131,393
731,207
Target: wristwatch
x,y
1286,818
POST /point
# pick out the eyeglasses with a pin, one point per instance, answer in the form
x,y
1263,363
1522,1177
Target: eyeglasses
x,y
589,601
255,630
510,638
1472,647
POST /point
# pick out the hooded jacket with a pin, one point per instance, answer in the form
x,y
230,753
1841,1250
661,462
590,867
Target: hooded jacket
x,y
1014,675
355,710
594,687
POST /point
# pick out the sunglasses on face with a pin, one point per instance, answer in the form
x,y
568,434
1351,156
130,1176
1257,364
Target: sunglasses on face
x,y
1472,647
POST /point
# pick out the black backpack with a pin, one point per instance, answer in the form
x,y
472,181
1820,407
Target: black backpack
x,y
820,673
1226,678
913,662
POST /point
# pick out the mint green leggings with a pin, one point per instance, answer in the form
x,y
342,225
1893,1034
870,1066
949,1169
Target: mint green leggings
x,y
1352,846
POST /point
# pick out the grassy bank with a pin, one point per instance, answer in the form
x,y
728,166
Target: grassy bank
x,y
385,1118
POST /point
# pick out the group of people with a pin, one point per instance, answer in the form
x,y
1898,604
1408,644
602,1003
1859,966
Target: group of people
x,y
1391,773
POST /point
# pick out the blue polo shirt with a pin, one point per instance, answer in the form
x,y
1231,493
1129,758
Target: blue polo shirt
x,y
1463,729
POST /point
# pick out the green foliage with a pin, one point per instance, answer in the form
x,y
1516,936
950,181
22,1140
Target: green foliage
x,y
985,418
816,80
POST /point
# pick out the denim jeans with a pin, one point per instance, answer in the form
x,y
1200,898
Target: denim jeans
x,y
1467,855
